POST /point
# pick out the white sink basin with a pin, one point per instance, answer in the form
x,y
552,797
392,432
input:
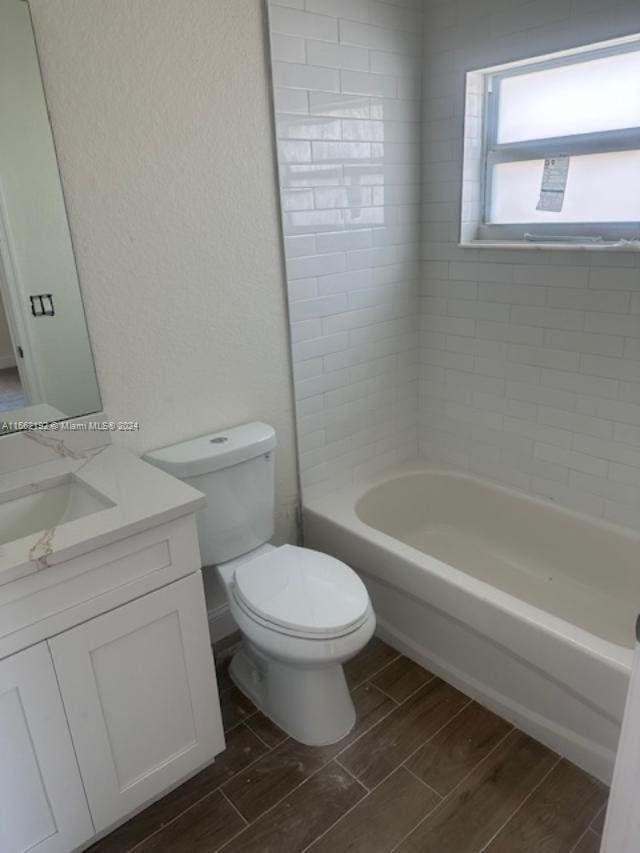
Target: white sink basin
x,y
47,507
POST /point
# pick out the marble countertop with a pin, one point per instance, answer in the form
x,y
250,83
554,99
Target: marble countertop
x,y
140,495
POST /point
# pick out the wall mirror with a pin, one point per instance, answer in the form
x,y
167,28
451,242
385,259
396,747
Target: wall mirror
x,y
46,365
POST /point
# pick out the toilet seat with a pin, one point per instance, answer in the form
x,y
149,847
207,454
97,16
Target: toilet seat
x,y
301,593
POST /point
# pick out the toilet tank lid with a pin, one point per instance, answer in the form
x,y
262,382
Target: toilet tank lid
x,y
215,451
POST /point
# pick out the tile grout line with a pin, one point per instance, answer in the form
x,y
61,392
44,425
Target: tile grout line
x,y
591,830
487,756
400,766
338,754
262,741
395,707
600,811
344,815
319,769
333,758
241,722
588,831
247,824
373,674
422,782
232,839
521,804
369,792
389,663
204,796
435,734
384,693
322,767
413,692
454,789
160,829
419,747
282,799
353,776
236,810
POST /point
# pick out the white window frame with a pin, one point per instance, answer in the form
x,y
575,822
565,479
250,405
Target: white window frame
x,y
494,153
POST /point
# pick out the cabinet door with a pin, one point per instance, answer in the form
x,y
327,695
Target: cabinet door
x,y
42,803
139,688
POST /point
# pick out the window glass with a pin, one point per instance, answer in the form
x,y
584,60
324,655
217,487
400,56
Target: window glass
x,y
600,188
592,96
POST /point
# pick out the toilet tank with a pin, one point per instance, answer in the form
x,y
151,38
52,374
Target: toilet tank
x,y
235,470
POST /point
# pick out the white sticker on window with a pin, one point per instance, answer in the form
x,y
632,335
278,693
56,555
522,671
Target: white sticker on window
x,y
554,184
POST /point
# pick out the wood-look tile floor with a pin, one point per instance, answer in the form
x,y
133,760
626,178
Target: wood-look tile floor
x,y
426,770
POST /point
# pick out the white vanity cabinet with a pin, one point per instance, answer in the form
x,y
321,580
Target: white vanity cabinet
x,y
108,702
138,687
42,803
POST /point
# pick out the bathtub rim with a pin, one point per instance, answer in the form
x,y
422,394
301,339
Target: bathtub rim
x,y
339,507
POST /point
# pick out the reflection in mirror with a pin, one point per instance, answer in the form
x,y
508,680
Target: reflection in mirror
x,y
46,365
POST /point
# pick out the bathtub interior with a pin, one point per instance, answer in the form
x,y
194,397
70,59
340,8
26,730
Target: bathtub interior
x,y
579,569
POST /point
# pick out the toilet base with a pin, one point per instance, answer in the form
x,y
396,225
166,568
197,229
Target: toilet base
x,y
312,705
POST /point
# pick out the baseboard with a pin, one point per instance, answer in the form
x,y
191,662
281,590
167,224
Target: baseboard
x,y
221,623
7,361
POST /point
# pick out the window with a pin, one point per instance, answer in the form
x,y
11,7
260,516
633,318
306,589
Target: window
x,y
560,148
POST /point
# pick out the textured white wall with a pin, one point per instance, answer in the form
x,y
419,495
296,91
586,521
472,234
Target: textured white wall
x,y
162,120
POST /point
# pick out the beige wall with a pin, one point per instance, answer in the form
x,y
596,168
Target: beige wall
x,y
161,115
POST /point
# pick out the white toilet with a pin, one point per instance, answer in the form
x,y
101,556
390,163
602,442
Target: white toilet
x,y
301,613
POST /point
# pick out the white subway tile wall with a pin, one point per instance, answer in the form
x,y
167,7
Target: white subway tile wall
x,y
522,366
530,358
347,89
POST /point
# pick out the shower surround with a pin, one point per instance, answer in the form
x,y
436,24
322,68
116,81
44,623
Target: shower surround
x,y
348,109
518,365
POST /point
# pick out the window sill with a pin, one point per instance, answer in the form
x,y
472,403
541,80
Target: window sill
x,y
553,247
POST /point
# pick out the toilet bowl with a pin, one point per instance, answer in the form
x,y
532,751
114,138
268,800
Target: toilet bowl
x,y
301,614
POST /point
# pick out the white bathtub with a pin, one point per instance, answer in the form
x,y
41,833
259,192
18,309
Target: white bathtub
x,y
525,606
